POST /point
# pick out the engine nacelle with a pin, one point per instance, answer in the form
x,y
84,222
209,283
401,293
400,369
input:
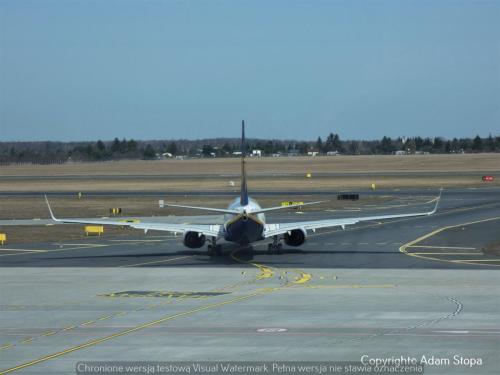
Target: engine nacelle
x,y
194,240
295,237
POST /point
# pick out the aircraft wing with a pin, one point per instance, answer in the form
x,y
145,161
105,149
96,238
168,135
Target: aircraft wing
x,y
277,229
206,229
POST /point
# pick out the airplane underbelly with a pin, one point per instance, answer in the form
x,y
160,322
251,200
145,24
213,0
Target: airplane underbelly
x,y
244,230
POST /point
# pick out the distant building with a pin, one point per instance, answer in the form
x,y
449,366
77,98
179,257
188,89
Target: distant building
x,y
257,153
312,153
400,152
167,155
332,153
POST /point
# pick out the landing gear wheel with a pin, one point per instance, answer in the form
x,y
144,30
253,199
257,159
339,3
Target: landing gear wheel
x,y
249,254
279,249
273,248
211,251
213,248
218,249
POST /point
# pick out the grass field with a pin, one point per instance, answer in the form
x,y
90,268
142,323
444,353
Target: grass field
x,y
34,207
340,172
265,174
30,207
300,165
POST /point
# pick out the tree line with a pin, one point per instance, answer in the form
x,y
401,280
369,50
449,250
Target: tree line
x,y
61,152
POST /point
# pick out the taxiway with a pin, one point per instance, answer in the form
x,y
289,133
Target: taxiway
x,y
419,286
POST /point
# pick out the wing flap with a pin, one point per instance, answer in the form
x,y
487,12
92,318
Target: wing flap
x,y
277,229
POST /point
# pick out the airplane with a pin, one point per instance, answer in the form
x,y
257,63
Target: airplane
x,y
244,221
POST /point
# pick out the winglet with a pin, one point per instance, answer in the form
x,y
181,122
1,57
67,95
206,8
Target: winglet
x,y
437,202
50,209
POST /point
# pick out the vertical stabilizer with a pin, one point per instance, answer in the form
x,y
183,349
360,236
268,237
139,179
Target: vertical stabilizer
x,y
244,191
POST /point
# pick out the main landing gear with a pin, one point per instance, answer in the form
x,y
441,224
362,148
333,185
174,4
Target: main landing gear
x,y
214,249
275,247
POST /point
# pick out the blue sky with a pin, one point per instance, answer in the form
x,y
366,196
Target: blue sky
x,y
84,70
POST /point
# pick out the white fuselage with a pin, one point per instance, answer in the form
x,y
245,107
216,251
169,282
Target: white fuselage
x,y
244,227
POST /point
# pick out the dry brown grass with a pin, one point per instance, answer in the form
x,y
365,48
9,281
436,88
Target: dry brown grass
x,y
382,163
265,174
221,184
59,233
493,248
34,207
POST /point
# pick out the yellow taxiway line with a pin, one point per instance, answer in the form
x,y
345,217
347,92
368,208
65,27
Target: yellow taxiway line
x,y
438,253
403,248
128,331
154,262
22,250
442,247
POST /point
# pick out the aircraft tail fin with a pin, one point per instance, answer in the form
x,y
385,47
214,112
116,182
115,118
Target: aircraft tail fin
x,y
244,190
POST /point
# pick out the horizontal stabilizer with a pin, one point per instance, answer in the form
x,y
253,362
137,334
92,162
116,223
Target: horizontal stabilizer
x,y
219,210
284,207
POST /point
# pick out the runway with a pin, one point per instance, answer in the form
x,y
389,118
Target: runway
x,y
165,176
412,287
231,193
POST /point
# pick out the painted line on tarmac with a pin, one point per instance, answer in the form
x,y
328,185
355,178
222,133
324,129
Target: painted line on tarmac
x,y
169,300
21,250
131,330
380,223
304,278
350,286
438,253
154,262
476,260
442,247
403,248
87,246
265,272
81,244
138,241
476,332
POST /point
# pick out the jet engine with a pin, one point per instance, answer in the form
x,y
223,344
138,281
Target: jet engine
x,y
194,240
295,237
